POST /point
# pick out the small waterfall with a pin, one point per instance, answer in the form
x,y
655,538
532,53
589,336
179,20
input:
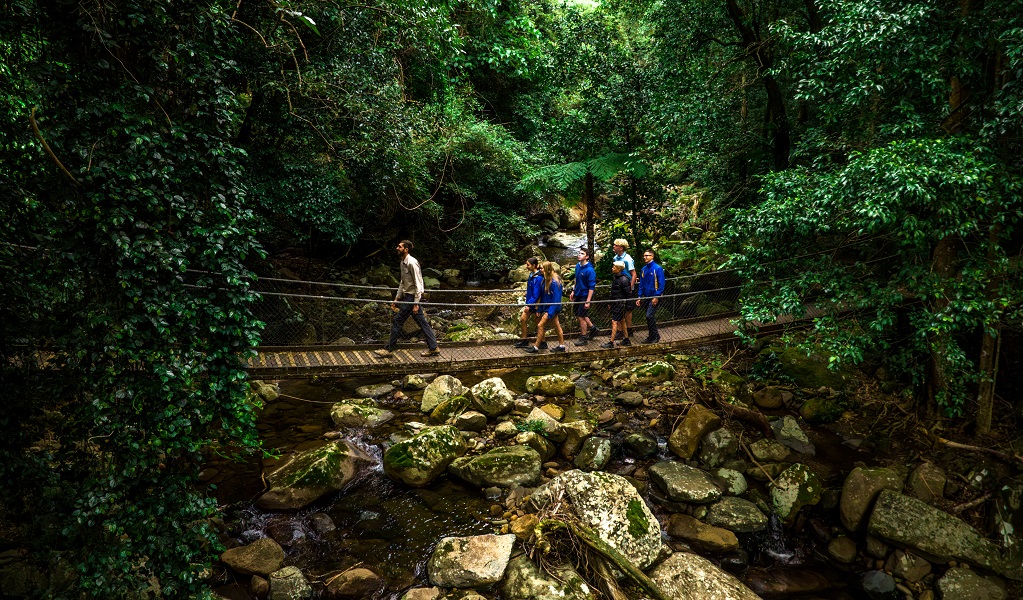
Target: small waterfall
x,y
774,542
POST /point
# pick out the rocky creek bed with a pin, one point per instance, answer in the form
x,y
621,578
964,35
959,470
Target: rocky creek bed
x,y
705,484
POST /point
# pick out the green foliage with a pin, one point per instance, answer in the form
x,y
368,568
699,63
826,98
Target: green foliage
x,y
533,425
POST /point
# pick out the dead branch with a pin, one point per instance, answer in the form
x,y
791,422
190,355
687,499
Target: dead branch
x,y
753,417
1007,457
971,504
39,136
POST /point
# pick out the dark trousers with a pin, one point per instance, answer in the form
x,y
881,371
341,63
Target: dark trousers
x,y
404,311
651,318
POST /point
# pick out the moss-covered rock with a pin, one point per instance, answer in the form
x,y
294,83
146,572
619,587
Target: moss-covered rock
x,y
447,410
550,385
525,581
420,459
309,475
359,413
594,454
505,467
683,483
686,576
821,409
859,491
474,333
687,436
444,387
492,397
261,557
810,371
795,488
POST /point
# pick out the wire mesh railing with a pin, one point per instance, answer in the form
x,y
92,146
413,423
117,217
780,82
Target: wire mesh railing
x,y
303,313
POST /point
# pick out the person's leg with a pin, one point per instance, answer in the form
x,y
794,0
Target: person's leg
x,y
561,334
524,321
424,324
541,326
614,332
651,321
404,310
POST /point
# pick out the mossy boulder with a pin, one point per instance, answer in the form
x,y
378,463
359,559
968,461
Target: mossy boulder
x,y
308,475
543,446
795,488
736,514
657,371
859,491
289,584
594,454
683,483
687,436
444,387
420,459
473,333
821,409
470,562
446,411
492,397
736,388
505,467
810,371
687,576
359,413
610,506
261,557
550,385
523,580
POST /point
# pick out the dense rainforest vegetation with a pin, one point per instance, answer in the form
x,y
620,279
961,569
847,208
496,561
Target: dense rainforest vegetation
x,y
153,152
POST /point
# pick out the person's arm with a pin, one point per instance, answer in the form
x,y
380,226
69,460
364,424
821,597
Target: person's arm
x,y
417,276
659,275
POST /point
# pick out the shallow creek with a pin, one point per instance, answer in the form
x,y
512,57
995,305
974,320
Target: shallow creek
x,y
391,528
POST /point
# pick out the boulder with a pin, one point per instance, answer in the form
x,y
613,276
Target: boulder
x,y
523,580
374,391
810,371
311,474
769,397
470,562
492,397
420,459
519,274
471,421
842,549
576,433
908,566
933,534
413,381
353,584
267,392
359,413
594,454
550,385
542,422
611,507
686,576
686,437
504,467
718,446
537,442
736,514
700,536
505,430
261,557
289,584
562,239
795,488
731,482
927,482
821,409
878,585
448,410
657,371
735,388
630,399
683,483
787,431
640,445
767,450
444,387
964,584
859,491
430,593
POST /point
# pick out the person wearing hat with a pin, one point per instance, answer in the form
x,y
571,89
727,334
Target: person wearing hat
x,y
620,293
620,247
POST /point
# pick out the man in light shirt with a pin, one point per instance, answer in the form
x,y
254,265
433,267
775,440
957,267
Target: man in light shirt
x,y
620,248
406,304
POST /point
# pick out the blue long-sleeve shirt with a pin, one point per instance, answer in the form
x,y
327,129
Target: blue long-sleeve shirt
x,y
651,283
585,280
534,288
550,302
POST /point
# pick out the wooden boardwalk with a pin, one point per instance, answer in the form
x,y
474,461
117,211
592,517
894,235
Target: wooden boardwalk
x,y
347,361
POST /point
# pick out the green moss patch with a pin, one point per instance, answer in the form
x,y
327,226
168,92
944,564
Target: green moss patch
x,y
638,523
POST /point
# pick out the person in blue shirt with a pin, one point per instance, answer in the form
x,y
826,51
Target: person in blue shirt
x,y
534,288
550,307
651,286
582,295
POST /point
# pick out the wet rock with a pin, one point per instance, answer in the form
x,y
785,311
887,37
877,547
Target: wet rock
x,y
859,491
471,421
420,459
594,454
550,385
259,587
430,593
769,397
289,584
321,523
878,585
444,387
630,399
795,488
285,532
876,547
964,584
842,549
683,483
525,581
504,467
359,413
736,514
353,584
576,433
610,506
640,445
492,397
374,391
934,534
686,437
547,425
927,482
788,432
718,446
908,566
731,482
686,576
307,476
821,409
522,528
447,411
700,536
793,582
505,430
413,382
266,392
470,562
537,442
767,450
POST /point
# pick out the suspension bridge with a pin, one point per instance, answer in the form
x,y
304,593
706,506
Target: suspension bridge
x,y
331,329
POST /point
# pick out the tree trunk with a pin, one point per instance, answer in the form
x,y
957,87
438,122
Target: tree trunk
x,y
588,198
943,265
989,347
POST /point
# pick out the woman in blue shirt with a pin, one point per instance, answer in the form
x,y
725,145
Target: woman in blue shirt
x,y
550,307
534,288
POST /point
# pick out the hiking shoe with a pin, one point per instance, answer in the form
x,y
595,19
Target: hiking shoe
x,y
522,344
626,342
383,353
543,345
607,345
582,341
620,336
532,350
430,352
592,333
559,349
651,340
